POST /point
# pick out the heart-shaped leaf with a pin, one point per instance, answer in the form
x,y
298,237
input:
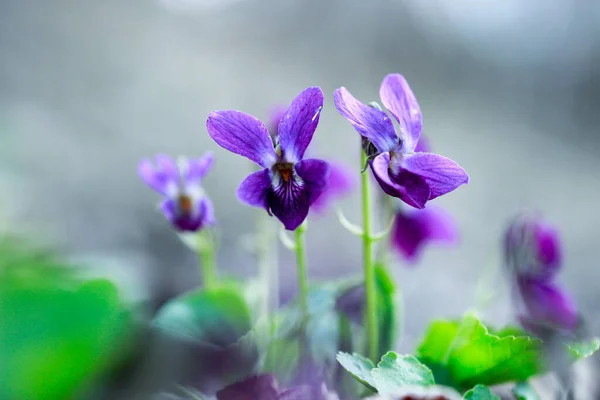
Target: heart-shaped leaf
x,y
359,367
395,371
471,354
480,392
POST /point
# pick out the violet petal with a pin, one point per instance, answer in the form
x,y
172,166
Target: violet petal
x,y
400,100
342,181
413,229
161,176
255,188
423,145
371,123
408,187
195,170
298,124
441,174
242,134
549,251
548,305
315,174
289,201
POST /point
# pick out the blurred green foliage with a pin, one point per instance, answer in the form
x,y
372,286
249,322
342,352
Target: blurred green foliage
x,y
57,331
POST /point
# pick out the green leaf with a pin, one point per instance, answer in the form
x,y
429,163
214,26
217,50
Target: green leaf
x,y
584,348
219,316
387,301
524,391
480,392
57,332
472,355
394,371
214,327
359,367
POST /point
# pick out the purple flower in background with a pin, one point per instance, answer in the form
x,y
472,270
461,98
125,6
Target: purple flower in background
x,y
185,204
341,182
413,229
533,255
414,177
288,185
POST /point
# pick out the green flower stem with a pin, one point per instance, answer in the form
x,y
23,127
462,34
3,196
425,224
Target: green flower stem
x,y
369,268
206,256
302,275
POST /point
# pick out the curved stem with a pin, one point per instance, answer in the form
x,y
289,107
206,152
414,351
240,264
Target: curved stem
x,y
206,255
369,269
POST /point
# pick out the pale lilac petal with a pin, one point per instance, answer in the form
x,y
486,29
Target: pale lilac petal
x,y
161,176
299,122
414,229
548,305
441,174
423,145
255,188
400,100
242,134
207,211
195,170
342,181
315,174
371,123
289,202
408,187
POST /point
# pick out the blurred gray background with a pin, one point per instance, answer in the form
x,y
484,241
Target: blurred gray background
x,y
509,89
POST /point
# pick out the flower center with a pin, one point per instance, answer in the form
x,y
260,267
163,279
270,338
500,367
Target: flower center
x,y
184,204
286,170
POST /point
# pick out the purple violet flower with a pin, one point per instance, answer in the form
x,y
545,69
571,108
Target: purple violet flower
x,y
342,180
185,204
414,177
533,255
413,229
288,185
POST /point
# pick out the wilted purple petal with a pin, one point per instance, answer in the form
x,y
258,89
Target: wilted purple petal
x,y
532,248
315,174
371,123
441,174
409,187
242,134
548,244
400,100
289,201
263,387
548,305
298,124
255,188
194,170
342,181
414,229
161,176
